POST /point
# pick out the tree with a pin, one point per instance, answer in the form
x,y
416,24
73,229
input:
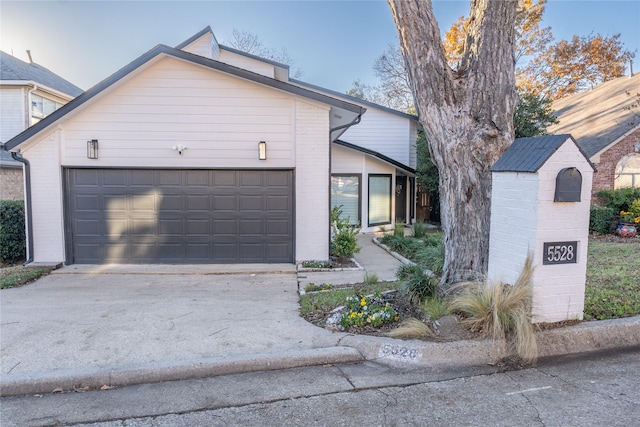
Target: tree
x,y
530,37
248,42
533,115
467,116
569,67
396,87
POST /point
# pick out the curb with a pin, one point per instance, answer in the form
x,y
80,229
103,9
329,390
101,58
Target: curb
x,y
582,338
94,379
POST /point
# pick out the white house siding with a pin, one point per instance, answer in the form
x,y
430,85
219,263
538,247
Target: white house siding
x,y
219,118
413,154
312,182
347,161
206,46
12,112
247,63
46,199
558,222
384,132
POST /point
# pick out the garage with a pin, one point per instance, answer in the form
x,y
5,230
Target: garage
x,y
140,216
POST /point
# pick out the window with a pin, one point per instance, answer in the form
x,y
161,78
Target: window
x,y
628,172
345,193
379,199
42,107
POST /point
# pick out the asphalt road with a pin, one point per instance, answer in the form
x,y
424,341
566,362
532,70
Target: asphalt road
x,y
599,389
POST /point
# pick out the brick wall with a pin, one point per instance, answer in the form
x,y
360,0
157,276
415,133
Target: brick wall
x,y
603,179
11,184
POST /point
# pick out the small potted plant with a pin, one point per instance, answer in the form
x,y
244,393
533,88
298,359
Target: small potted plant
x,y
628,224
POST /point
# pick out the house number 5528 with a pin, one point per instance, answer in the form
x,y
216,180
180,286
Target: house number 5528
x,y
560,253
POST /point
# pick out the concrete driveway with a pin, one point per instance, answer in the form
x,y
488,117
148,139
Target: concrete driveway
x,y
80,321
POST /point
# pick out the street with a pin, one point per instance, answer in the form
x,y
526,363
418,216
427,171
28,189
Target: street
x,y
598,389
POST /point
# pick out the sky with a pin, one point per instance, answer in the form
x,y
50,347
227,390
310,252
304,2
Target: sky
x,y
333,43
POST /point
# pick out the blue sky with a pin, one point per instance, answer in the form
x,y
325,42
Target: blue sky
x,y
332,42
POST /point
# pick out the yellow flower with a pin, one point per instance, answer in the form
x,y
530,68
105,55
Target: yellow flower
x,y
363,302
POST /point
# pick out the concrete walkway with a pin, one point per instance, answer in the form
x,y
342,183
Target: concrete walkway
x,y
88,326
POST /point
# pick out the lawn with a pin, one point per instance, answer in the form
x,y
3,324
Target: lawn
x,y
613,279
19,275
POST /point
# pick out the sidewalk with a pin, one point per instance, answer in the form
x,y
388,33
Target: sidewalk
x,y
121,325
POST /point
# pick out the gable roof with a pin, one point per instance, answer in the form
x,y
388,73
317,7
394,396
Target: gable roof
x,y
599,117
354,99
12,68
180,54
375,154
529,154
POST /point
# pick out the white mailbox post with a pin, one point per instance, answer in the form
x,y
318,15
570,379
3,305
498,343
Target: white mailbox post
x,y
541,194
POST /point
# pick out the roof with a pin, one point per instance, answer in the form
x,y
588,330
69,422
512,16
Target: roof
x,y
6,161
375,154
529,154
354,99
599,117
177,53
12,68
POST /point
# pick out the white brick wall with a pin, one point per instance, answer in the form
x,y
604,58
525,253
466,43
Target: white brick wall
x,y
312,181
46,198
524,217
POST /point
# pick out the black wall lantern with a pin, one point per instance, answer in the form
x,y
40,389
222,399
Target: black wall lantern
x,y
92,149
262,150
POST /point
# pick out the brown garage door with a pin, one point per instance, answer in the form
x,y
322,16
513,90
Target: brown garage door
x,y
179,216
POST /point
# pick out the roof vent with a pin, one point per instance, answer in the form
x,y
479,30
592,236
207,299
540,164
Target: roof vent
x,y
29,55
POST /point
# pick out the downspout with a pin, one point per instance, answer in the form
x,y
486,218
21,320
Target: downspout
x,y
27,200
348,125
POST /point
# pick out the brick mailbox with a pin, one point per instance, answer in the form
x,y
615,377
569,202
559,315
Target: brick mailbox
x,y
540,203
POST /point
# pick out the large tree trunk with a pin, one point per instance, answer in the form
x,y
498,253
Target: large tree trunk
x,y
467,115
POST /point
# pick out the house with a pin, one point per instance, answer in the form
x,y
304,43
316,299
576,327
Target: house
x,y
204,154
28,93
605,122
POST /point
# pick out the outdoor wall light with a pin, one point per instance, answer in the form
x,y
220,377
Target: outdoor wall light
x,y
92,149
262,150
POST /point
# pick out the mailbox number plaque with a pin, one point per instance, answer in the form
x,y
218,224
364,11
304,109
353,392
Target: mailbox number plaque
x,y
560,253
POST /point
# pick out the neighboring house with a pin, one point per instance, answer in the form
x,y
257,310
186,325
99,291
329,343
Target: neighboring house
x,y
28,93
204,154
605,122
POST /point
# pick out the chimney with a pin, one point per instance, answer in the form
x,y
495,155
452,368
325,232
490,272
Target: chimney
x,y
630,68
29,55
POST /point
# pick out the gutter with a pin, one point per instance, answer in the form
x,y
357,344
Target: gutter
x,y
27,189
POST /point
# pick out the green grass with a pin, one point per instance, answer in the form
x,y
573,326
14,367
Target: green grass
x,y
324,302
19,275
613,280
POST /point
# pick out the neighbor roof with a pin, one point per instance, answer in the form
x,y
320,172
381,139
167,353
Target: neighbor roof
x,y
11,68
177,53
599,117
6,161
529,154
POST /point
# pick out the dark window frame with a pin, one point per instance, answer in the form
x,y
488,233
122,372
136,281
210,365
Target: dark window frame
x,y
359,176
379,175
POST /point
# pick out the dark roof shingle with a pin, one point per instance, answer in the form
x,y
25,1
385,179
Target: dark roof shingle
x,y
529,154
11,68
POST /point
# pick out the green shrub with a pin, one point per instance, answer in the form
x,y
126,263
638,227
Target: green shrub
x,y
398,229
420,229
619,199
370,278
431,258
405,246
343,235
418,285
12,234
600,219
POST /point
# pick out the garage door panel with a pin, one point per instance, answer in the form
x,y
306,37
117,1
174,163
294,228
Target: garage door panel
x,y
180,216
